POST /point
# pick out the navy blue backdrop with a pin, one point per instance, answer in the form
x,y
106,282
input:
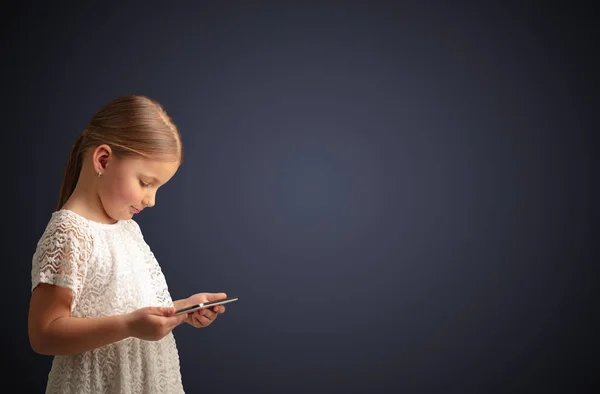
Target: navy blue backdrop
x,y
400,194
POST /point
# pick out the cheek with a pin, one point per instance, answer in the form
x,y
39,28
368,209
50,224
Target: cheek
x,y
124,191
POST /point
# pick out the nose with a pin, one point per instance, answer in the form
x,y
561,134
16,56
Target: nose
x,y
149,201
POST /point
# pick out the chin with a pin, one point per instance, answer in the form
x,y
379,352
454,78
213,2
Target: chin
x,y
128,215
119,216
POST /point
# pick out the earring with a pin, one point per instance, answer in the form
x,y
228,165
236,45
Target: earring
x,y
99,174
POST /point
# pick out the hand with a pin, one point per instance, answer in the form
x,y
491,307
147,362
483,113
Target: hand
x,y
153,323
204,317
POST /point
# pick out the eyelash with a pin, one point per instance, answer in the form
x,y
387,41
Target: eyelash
x,y
144,184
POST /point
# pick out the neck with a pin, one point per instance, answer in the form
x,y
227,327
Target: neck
x,y
85,201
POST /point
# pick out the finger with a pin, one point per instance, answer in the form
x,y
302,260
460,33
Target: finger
x,y
174,321
164,311
204,317
219,309
204,321
215,296
178,322
198,322
195,320
205,313
197,315
181,317
209,314
189,318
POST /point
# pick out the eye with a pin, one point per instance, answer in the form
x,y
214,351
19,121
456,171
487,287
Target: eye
x,y
144,184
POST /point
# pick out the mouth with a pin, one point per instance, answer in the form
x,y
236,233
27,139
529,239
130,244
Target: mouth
x,y
135,210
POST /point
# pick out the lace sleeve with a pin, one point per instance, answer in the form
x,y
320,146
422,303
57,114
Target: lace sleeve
x,y
61,257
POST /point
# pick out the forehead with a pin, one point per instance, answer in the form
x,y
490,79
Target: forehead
x,y
162,170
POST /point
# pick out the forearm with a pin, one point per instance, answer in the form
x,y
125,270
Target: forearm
x,y
70,335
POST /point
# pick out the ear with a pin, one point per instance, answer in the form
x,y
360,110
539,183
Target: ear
x,y
100,157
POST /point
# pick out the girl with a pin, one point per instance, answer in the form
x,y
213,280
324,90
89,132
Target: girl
x,y
100,303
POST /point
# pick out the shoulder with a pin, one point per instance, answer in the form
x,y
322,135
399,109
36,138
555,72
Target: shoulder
x,y
65,247
66,228
135,231
132,226
68,222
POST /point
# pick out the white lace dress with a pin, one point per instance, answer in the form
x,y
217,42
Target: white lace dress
x,y
111,270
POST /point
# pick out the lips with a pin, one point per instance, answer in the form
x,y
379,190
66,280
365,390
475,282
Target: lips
x,y
135,210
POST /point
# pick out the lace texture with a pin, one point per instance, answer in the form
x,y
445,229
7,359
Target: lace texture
x,y
110,270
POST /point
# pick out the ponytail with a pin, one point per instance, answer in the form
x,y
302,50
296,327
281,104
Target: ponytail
x,y
71,173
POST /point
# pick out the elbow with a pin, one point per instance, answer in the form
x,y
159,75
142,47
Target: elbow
x,y
34,331
38,347
36,342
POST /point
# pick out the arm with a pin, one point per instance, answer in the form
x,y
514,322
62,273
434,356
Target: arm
x,y
52,331
58,267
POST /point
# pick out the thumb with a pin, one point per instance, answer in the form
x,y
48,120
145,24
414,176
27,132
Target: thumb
x,y
175,320
215,296
166,311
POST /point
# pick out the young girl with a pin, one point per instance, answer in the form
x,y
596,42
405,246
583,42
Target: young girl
x,y
100,303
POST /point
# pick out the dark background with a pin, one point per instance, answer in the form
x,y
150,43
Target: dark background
x,y
400,194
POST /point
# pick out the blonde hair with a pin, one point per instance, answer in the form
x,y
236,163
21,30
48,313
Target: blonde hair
x,y
130,125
